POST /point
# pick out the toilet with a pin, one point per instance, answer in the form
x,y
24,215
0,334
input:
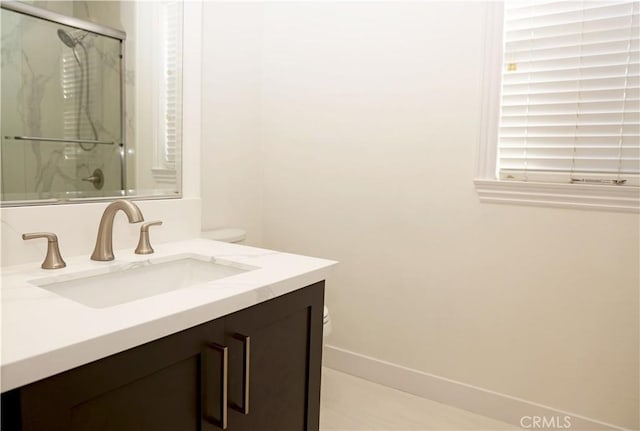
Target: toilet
x,y
238,235
230,234
326,322
326,328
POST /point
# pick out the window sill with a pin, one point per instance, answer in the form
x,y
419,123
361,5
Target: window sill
x,y
580,196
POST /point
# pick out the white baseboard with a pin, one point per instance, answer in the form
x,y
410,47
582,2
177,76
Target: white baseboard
x,y
488,403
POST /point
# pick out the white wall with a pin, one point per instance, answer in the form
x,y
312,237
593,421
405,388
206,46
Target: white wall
x,y
369,120
231,153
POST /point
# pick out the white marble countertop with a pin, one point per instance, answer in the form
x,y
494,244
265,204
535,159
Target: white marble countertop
x,y
44,334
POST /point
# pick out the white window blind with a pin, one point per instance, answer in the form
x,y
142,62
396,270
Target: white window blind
x,y
81,91
170,114
570,103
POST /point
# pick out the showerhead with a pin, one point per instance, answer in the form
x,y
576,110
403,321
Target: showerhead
x,y
67,39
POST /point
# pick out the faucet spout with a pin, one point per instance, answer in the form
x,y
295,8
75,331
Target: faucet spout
x,y
103,250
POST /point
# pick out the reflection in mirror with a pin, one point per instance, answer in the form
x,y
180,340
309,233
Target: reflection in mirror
x,y
79,120
61,110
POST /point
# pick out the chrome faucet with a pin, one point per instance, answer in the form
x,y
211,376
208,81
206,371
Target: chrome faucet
x,y
103,250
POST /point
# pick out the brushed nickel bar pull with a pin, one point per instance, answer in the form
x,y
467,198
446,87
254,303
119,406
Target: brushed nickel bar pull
x,y
246,367
68,140
224,378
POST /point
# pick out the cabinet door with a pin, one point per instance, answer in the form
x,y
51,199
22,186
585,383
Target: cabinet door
x,y
184,381
156,387
284,366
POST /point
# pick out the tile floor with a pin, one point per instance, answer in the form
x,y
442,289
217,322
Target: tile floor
x,y
350,403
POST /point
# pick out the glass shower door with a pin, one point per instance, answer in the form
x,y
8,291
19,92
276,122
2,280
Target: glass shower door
x,y
62,111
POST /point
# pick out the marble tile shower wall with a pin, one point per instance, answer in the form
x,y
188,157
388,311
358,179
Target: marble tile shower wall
x,y
38,72
122,16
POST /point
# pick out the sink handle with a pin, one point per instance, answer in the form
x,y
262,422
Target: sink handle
x,y
53,259
144,246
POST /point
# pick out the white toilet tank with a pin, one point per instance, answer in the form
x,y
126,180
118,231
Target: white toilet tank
x,y
229,234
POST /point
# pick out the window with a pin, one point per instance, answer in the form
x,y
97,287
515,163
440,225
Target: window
x,y
563,105
170,81
168,15
78,107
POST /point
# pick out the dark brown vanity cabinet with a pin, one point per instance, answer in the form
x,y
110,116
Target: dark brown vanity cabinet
x,y
253,370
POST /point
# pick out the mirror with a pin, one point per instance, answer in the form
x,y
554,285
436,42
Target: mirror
x,y
91,101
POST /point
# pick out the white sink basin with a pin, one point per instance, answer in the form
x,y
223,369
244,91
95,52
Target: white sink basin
x,y
119,284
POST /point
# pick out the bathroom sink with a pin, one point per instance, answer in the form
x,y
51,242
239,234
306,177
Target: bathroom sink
x,y
132,281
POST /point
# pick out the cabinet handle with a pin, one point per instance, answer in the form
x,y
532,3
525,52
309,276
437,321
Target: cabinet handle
x,y
224,376
246,366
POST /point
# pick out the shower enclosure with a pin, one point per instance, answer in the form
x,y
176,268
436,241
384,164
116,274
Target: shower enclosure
x,y
62,107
